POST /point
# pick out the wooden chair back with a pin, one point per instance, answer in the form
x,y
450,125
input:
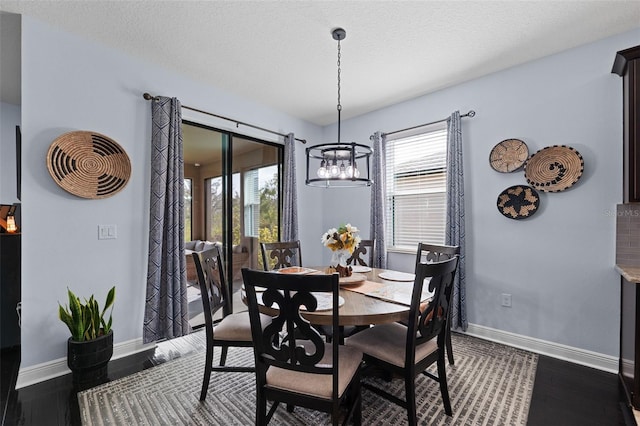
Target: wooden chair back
x,y
280,255
213,286
363,254
427,322
435,252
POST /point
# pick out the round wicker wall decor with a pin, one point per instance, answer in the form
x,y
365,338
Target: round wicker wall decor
x,y
518,202
554,168
508,155
88,164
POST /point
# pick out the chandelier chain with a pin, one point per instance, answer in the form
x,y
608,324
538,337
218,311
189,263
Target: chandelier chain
x,y
339,106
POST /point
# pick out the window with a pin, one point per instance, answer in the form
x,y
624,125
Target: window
x,y
188,218
416,188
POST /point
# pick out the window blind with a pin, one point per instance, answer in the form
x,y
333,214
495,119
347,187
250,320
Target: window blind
x,y
416,188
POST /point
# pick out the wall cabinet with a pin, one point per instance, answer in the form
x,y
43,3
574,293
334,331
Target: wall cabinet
x,y
10,249
627,66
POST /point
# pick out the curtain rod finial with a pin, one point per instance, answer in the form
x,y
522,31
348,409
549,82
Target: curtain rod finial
x,y
147,96
471,113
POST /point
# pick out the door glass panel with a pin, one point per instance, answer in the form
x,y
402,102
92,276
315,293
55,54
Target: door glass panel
x,y
235,196
256,171
187,209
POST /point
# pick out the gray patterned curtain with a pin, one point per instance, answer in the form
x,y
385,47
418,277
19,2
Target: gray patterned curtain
x,y
290,202
378,196
166,312
455,217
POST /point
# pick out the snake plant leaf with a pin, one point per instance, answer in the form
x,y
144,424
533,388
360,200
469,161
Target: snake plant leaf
x,y
85,320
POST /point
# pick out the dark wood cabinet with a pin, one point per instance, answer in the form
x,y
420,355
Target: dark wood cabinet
x,y
10,254
627,66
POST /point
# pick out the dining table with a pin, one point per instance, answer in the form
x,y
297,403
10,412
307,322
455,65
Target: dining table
x,y
371,296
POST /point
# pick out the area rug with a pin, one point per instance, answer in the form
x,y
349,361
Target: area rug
x,y
490,384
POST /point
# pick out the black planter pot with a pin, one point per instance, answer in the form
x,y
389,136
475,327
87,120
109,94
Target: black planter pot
x,y
89,360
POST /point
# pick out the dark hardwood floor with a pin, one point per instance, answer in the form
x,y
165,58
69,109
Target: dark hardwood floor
x,y
564,393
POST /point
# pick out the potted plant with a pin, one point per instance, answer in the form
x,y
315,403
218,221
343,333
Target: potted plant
x,y
90,346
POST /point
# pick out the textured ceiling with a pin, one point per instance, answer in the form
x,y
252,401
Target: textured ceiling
x,y
281,54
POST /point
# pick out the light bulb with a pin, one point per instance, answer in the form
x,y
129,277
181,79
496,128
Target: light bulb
x,y
334,170
343,174
322,171
356,172
349,171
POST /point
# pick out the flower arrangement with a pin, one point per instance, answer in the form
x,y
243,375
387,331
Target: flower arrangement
x,y
343,238
341,241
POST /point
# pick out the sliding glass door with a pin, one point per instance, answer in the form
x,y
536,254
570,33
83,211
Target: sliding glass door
x,y
235,191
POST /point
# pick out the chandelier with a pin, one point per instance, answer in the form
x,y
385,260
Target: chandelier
x,y
339,164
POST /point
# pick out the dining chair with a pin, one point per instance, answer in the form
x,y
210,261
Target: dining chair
x,y
437,253
366,247
407,350
233,329
294,365
281,255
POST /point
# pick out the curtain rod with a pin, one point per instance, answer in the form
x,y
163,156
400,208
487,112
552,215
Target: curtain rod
x,y
149,97
471,113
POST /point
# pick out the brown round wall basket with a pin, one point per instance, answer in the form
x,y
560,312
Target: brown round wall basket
x,y
88,164
554,168
508,155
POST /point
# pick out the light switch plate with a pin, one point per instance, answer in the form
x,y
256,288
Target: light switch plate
x,y
107,232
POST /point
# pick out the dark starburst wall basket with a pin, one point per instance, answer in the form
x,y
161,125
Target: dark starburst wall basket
x,y
554,168
88,164
518,202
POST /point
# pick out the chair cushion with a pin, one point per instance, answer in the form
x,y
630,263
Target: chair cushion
x,y
237,327
388,343
320,385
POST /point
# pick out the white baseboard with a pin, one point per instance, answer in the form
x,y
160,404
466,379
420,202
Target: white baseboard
x,y
58,367
555,350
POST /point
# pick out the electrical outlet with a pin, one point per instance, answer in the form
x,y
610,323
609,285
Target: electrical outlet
x,y
506,300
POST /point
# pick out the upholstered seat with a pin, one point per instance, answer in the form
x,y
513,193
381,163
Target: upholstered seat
x,y
387,342
236,327
312,384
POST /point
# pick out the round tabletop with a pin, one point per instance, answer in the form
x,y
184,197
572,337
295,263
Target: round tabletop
x,y
358,309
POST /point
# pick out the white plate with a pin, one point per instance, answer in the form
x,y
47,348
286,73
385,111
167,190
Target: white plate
x,y
296,270
325,302
396,276
360,268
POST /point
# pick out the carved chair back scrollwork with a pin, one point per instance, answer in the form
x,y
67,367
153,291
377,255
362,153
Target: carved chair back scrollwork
x,y
280,255
363,254
437,253
293,363
213,288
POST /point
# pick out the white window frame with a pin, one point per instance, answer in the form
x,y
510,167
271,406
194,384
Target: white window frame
x,y
416,188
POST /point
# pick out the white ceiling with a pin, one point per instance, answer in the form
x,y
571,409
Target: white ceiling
x,y
281,53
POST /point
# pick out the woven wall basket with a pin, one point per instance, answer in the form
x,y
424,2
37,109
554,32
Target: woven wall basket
x,y
518,202
88,164
554,168
508,155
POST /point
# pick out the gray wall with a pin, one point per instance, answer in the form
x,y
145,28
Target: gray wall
x,y
71,84
9,119
559,264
